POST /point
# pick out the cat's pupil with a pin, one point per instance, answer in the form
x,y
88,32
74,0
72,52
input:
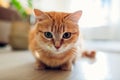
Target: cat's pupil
x,y
48,34
66,35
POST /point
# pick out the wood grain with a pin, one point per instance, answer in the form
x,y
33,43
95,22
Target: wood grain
x,y
19,65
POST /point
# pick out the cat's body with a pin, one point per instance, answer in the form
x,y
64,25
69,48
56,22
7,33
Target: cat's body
x,y
53,39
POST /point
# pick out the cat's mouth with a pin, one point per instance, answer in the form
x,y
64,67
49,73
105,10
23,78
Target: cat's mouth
x,y
53,48
57,47
58,50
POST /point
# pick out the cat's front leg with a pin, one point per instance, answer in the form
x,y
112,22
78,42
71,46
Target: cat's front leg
x,y
39,65
67,66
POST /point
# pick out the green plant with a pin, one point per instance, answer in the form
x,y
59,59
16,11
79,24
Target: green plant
x,y
20,8
30,3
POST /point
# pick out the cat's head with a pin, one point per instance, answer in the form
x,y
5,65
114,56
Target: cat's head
x,y
57,31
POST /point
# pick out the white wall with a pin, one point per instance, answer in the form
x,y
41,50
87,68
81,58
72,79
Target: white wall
x,y
111,31
102,33
52,5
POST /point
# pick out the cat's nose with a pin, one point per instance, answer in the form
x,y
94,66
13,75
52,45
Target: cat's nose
x,y
57,47
57,44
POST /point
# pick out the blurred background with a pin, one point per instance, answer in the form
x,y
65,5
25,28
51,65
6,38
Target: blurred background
x,y
99,24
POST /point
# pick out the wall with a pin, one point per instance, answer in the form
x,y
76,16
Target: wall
x,y
52,5
111,31
101,33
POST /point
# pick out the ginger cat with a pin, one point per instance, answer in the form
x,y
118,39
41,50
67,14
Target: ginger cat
x,y
53,39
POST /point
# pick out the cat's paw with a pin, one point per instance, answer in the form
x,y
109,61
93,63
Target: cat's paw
x,y
66,67
39,66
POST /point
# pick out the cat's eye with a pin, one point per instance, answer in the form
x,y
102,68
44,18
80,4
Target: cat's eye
x,y
66,35
48,34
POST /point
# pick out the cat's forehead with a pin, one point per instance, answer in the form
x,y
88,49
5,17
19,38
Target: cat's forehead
x,y
57,15
58,23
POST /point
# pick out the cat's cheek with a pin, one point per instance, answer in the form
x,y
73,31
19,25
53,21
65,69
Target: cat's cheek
x,y
49,47
67,47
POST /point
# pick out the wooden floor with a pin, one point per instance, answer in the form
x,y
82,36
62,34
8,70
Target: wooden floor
x,y
19,65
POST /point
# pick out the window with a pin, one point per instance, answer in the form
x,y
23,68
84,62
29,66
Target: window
x,y
95,12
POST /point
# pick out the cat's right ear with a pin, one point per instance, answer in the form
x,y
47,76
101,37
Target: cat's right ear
x,y
75,16
40,15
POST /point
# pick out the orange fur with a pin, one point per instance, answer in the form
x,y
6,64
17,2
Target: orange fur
x,y
44,49
88,54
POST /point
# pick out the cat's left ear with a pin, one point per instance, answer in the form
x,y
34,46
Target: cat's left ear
x,y
40,15
75,16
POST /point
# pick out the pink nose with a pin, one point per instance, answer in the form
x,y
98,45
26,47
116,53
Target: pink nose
x,y
57,47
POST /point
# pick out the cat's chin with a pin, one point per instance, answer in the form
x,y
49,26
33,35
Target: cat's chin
x,y
58,51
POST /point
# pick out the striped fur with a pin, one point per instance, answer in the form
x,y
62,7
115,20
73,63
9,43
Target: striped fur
x,y
44,49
